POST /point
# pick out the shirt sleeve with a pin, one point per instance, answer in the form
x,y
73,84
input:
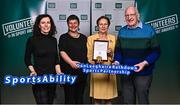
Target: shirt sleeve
x,y
28,52
118,55
154,49
89,45
62,43
57,58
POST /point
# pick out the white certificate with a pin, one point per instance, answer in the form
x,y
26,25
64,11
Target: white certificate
x,y
100,49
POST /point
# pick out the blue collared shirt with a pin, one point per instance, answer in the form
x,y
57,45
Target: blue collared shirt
x,y
140,25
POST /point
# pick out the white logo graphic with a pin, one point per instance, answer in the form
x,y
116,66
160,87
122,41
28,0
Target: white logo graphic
x,y
17,28
165,24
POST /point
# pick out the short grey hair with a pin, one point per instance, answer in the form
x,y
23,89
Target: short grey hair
x,y
136,11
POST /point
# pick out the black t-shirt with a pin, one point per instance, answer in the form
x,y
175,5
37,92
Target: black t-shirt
x,y
44,52
76,49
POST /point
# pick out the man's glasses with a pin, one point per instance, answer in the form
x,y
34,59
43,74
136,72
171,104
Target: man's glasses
x,y
130,15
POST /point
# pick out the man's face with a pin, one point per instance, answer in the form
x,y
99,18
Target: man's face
x,y
131,17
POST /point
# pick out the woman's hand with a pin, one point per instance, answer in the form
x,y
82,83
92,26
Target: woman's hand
x,y
33,73
58,69
73,64
109,52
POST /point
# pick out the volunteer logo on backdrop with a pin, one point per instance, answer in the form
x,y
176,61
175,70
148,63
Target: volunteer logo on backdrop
x,y
165,24
17,28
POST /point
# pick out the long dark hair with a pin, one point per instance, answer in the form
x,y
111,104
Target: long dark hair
x,y
36,29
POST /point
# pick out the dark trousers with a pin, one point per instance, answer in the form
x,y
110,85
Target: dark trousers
x,y
133,86
74,93
44,93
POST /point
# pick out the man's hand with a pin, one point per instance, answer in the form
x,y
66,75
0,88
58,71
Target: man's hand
x,y
141,66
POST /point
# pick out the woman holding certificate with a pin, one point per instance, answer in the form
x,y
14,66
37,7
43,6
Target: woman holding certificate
x,y
103,87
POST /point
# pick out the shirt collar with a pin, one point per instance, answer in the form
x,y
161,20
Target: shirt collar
x,y
138,25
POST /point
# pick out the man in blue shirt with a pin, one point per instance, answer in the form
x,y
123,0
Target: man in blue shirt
x,y
136,45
